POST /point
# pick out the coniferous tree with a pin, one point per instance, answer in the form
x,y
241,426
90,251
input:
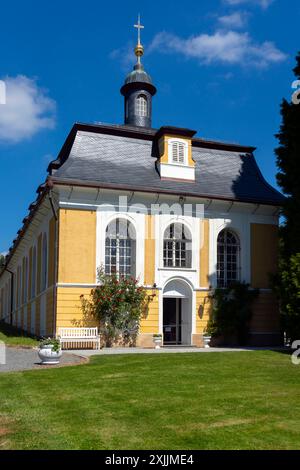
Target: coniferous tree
x,y
2,260
288,177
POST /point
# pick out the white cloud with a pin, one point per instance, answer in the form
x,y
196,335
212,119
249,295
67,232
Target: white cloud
x,y
28,109
262,3
225,47
125,55
237,19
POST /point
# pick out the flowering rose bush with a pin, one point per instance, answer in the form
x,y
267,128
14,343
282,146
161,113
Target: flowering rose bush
x,y
118,305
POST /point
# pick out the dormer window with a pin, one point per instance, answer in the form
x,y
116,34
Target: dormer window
x,y
178,152
175,154
141,106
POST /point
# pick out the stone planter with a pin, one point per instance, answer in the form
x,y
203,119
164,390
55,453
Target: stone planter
x,y
157,340
48,356
206,341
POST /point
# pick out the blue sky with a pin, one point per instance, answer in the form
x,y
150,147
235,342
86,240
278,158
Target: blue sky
x,y
221,67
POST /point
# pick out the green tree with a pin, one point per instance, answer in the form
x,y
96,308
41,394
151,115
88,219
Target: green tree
x,y
232,312
288,178
2,260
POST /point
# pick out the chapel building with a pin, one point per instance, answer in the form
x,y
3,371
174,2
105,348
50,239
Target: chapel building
x,y
182,214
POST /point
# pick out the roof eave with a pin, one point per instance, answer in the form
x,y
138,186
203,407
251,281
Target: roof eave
x,y
95,184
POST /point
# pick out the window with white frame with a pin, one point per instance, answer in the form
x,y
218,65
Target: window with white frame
x,y
141,106
120,248
228,258
44,263
19,284
178,151
33,273
26,280
177,250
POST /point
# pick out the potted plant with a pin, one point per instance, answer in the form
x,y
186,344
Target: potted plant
x,y
50,351
208,333
157,340
206,339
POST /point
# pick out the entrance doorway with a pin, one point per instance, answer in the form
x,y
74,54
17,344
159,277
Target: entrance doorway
x,y
177,314
172,321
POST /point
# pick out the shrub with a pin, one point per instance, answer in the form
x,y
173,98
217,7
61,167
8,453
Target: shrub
x,y
287,287
117,304
55,343
232,312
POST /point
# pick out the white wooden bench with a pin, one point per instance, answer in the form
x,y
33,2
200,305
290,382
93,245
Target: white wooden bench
x,y
79,336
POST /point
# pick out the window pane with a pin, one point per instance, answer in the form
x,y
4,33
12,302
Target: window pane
x,y
177,246
141,106
118,248
227,258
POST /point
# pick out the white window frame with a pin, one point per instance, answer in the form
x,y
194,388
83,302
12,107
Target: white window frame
x,y
20,285
225,270
184,248
33,272
44,267
131,248
26,276
141,105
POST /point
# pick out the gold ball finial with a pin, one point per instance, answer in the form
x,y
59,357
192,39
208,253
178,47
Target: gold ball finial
x,y
139,50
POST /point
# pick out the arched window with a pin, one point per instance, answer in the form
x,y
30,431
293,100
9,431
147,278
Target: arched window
x,y
141,106
33,273
177,247
26,280
19,283
120,248
44,263
228,258
178,150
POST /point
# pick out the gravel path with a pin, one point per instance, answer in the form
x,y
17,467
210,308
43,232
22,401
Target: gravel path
x,y
169,350
25,359
18,359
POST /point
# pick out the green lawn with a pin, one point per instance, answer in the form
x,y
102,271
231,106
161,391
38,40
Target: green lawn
x,y
14,337
245,400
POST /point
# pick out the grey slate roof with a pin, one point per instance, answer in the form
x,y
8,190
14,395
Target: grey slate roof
x,y
126,161
138,74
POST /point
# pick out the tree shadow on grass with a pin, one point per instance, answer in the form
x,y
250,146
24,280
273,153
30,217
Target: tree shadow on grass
x,y
11,331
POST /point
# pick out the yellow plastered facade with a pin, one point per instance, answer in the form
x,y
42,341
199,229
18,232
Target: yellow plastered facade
x,y
52,251
48,293
203,310
39,263
150,321
264,254
77,246
149,277
50,310
264,317
69,311
204,253
68,306
76,256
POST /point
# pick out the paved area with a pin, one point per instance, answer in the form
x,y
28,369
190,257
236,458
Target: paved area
x,y
106,351
26,359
